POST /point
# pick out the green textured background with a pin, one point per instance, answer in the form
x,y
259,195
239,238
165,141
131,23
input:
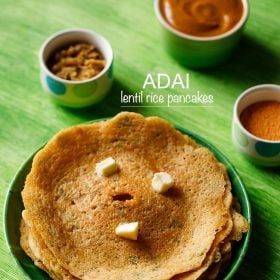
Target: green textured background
x,y
28,118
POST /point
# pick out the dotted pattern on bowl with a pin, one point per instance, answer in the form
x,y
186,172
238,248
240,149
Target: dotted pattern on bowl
x,y
264,150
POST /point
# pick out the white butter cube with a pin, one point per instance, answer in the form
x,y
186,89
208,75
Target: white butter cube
x,y
128,230
106,167
162,182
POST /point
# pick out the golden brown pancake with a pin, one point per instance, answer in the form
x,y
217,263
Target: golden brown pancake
x,y
24,243
219,239
73,213
57,272
40,254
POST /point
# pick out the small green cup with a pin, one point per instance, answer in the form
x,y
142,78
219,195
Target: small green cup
x,y
201,52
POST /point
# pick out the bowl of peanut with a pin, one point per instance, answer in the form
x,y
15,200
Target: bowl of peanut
x,y
76,67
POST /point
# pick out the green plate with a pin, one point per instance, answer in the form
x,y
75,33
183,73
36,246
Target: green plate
x,y
14,206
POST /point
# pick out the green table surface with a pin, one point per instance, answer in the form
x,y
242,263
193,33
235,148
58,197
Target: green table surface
x,y
28,118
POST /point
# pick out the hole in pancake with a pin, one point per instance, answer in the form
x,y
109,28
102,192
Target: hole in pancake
x,y
93,207
174,193
122,197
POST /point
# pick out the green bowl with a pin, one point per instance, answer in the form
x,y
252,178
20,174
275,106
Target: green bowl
x,y
200,52
14,206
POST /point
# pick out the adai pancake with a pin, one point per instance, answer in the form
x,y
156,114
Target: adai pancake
x,y
220,254
37,250
45,259
75,211
219,239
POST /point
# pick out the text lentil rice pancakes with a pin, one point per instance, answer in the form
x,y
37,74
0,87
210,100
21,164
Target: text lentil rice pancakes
x,y
71,213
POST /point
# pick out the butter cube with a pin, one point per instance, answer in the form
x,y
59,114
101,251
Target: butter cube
x,y
162,182
128,230
106,167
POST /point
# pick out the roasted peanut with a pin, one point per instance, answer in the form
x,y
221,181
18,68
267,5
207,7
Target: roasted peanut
x,y
77,62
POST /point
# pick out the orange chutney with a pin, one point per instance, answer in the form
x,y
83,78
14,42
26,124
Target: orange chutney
x,y
202,18
262,119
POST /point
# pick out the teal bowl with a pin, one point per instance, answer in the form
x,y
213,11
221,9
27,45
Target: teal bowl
x,y
14,206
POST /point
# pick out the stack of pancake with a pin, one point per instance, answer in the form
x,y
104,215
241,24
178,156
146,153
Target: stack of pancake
x,y
70,216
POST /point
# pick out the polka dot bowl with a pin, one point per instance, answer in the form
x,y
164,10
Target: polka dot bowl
x,y
76,94
258,150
